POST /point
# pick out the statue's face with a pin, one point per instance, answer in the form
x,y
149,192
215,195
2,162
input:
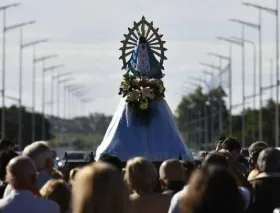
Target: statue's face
x,y
143,46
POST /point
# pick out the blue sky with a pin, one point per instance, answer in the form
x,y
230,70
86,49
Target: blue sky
x,y
86,35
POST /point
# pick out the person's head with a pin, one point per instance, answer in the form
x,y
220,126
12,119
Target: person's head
x,y
140,175
254,151
226,154
171,170
215,159
4,161
21,174
233,146
72,175
41,154
219,143
56,174
212,189
59,192
99,187
197,163
6,145
111,159
189,168
269,161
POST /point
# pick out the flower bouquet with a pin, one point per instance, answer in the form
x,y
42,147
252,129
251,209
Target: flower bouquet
x,y
139,92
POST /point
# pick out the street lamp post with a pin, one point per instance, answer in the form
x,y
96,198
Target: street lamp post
x,y
211,74
213,67
197,120
58,77
206,141
79,95
4,8
276,13
221,57
43,59
21,25
26,45
77,91
232,41
66,83
52,68
259,28
254,79
9,28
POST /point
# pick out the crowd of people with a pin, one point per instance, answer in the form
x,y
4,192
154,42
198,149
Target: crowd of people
x,y
221,181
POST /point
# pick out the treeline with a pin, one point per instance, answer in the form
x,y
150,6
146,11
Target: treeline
x,y
11,125
198,119
78,130
94,123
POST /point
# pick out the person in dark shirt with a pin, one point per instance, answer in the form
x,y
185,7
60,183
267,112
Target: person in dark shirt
x,y
234,147
171,177
6,146
4,161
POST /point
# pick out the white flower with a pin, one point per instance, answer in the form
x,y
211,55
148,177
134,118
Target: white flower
x,y
147,93
133,96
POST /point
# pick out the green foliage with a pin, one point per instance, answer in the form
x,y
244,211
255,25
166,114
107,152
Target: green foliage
x,y
197,116
193,107
11,118
80,132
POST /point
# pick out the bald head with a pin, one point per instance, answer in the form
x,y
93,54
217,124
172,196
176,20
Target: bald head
x,y
21,172
171,170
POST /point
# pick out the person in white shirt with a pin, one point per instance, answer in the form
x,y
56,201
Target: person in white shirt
x,y
41,154
21,175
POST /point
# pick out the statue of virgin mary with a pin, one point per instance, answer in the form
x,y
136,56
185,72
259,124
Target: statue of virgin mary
x,y
125,136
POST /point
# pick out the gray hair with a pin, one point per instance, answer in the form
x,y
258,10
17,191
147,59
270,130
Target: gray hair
x,y
39,152
269,160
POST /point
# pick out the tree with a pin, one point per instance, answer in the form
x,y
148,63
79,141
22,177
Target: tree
x,y
198,114
196,124
12,125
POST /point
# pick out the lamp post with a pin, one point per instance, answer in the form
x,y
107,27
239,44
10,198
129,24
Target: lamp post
x,y
26,45
197,120
221,57
211,74
232,41
276,13
76,91
213,67
259,28
206,141
66,86
4,9
85,101
51,69
79,95
63,104
58,77
189,118
254,79
42,59
8,28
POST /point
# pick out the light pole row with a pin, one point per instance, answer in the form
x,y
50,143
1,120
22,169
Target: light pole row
x,y
240,41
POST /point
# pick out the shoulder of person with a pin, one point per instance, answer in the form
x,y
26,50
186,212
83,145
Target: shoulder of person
x,y
263,176
49,204
3,203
